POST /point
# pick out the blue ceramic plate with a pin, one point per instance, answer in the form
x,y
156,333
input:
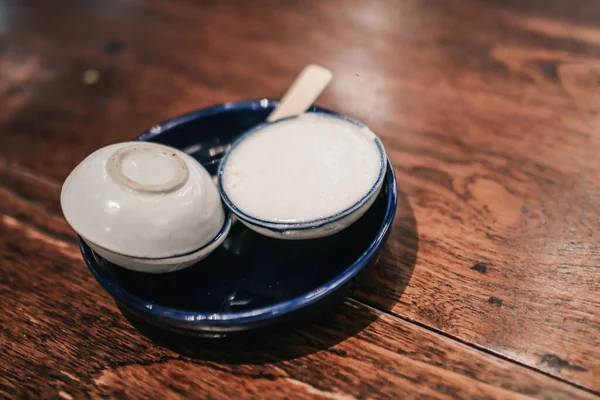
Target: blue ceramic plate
x,y
250,281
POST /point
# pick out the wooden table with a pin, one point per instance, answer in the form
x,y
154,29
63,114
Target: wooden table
x,y
489,286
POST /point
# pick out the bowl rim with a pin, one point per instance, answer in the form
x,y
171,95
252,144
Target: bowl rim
x,y
248,317
314,223
220,236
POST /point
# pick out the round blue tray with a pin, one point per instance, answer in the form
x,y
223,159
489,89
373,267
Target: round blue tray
x,y
250,281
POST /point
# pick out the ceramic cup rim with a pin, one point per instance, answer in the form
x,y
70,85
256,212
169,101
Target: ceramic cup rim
x,y
314,223
179,316
220,236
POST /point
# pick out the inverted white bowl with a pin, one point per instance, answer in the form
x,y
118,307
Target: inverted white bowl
x,y
142,200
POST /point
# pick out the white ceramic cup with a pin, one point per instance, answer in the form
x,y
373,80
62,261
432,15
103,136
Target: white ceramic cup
x,y
303,177
145,206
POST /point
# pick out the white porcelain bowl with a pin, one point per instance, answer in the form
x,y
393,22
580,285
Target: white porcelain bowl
x,y
145,206
303,177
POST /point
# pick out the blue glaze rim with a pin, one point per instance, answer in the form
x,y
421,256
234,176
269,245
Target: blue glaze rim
x,y
304,225
261,314
254,104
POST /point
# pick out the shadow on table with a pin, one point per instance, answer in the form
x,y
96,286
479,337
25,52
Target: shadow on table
x,y
380,286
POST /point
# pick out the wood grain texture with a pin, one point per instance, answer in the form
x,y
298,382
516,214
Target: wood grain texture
x,y
62,336
488,110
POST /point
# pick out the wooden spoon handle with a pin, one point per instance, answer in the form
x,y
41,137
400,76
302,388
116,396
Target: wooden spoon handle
x,y
304,91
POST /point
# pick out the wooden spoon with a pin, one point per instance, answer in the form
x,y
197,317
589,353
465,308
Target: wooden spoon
x,y
304,91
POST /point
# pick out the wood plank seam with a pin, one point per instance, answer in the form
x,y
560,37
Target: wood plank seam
x,y
472,345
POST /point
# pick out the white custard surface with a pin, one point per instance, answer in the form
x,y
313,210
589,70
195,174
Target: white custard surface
x,y
302,169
